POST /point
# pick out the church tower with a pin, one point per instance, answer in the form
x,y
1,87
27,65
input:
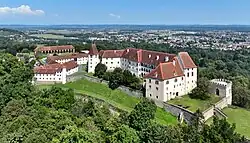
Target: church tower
x,y
93,58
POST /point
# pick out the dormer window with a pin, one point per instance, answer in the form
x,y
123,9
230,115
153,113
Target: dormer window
x,y
166,59
149,56
157,57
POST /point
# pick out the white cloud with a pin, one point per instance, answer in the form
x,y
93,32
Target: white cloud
x,y
114,15
21,10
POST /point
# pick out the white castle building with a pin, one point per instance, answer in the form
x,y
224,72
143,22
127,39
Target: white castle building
x,y
165,75
54,73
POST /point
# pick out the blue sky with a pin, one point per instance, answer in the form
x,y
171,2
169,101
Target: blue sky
x,y
125,12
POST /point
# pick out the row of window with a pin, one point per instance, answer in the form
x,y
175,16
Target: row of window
x,y
192,74
174,93
49,78
151,96
112,63
48,74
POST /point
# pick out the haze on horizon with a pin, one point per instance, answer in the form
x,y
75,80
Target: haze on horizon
x,y
178,12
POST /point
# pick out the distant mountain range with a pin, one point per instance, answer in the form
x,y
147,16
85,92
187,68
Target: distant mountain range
x,y
134,27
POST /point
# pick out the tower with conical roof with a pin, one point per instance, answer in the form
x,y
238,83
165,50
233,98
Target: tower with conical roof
x,y
93,58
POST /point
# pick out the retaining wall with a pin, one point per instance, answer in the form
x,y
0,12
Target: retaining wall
x,y
210,111
177,110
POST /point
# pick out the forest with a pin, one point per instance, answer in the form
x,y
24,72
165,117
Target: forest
x,y
29,114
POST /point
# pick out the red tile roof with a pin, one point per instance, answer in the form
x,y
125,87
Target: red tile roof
x,y
186,60
53,48
93,50
53,68
68,56
147,57
166,71
111,53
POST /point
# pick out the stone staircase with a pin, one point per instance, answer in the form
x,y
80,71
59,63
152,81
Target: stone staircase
x,y
218,111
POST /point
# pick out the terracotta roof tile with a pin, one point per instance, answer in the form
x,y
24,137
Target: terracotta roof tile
x,y
166,71
186,60
147,57
93,50
53,68
52,48
68,56
111,53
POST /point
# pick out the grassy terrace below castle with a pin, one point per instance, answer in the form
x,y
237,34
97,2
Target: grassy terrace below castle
x,y
240,117
194,104
116,98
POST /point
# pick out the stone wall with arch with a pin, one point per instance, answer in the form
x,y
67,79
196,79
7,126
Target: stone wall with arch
x,y
222,88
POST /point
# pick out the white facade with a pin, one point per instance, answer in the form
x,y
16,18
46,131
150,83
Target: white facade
x,y
93,60
58,77
164,90
80,61
111,63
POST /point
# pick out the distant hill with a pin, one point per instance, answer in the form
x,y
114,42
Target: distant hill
x,y
242,28
7,32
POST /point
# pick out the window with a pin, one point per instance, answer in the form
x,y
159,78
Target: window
x,y
156,82
182,78
149,80
175,80
174,86
150,95
192,73
167,88
188,74
149,86
157,97
117,62
111,62
106,62
156,88
167,82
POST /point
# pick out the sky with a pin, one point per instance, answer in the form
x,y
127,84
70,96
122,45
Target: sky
x,y
169,12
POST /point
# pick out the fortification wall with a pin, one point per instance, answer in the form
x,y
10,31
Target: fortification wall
x,y
208,113
176,111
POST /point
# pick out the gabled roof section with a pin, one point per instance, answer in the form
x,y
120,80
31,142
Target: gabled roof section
x,y
111,53
166,71
131,54
186,60
147,57
155,58
93,50
56,67
68,56
53,48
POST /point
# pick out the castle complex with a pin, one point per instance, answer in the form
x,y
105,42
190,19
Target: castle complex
x,y
165,75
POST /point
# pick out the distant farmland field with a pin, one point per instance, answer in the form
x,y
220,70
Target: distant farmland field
x,y
51,36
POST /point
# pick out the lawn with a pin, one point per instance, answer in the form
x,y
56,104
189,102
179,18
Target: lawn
x,y
241,117
194,104
116,98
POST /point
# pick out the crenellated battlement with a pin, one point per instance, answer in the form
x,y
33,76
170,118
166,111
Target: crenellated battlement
x,y
222,82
